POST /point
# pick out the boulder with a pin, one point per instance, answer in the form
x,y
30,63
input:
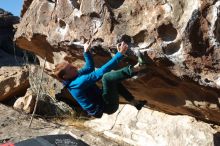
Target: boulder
x,y
13,73
47,106
26,103
153,128
13,82
180,38
13,78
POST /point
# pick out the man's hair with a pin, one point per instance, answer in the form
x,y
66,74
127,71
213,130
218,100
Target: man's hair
x,y
59,70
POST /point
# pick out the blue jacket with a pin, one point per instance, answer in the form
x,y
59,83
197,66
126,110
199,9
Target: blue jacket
x,y
83,87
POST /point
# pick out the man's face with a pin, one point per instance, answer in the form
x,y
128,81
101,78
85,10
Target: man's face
x,y
71,72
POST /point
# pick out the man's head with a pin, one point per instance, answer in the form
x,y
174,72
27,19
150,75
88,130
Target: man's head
x,y
65,71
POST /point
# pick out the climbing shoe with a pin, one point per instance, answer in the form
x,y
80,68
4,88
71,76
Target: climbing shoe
x,y
139,104
141,58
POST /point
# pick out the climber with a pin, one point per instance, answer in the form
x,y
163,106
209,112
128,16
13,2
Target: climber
x,y
82,83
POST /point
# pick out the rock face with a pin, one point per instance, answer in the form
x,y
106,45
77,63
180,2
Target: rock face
x,y
13,78
13,83
48,105
45,107
13,75
26,103
180,38
152,128
26,5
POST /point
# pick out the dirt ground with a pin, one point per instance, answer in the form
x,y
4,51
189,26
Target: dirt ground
x,y
14,128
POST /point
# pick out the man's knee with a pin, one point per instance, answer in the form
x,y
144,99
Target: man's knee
x,y
106,77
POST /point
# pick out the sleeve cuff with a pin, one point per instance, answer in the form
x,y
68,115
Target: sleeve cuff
x,y
119,55
86,53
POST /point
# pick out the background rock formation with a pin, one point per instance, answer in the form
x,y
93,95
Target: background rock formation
x,y
13,76
46,106
7,20
180,39
13,81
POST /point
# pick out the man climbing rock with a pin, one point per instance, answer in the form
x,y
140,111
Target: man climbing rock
x,y
82,83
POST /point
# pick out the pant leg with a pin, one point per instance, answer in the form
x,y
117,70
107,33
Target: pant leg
x,y
110,98
110,83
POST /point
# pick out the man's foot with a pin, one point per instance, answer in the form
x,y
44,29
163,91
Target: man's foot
x,y
138,103
138,67
141,58
142,63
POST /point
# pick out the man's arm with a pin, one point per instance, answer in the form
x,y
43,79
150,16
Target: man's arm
x,y
96,75
89,66
85,80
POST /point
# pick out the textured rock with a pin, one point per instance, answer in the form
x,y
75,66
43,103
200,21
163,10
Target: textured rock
x,y
54,100
13,73
26,5
47,106
153,128
180,38
13,78
49,85
26,103
13,82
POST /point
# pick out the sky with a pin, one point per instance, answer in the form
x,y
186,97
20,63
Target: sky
x,y
13,6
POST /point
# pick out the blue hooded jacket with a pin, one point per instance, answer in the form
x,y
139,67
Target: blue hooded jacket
x,y
83,87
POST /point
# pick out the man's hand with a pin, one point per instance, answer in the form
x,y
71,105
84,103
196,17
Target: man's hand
x,y
87,46
122,47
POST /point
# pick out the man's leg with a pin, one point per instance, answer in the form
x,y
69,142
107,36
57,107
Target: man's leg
x,y
110,88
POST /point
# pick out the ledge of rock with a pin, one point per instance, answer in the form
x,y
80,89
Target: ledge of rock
x,y
180,38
